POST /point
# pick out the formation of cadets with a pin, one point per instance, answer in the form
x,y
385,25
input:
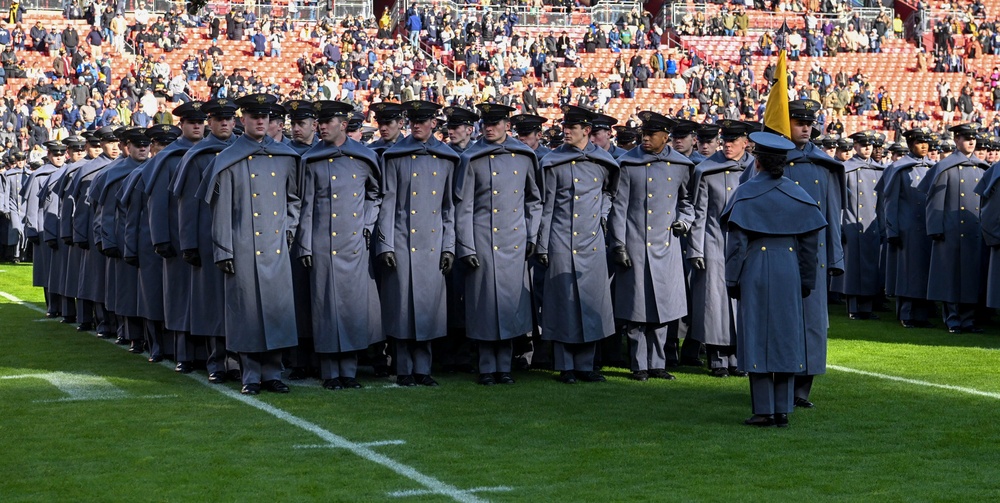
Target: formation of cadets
x,y
225,243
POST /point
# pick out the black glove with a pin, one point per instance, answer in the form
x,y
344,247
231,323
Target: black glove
x,y
937,237
368,238
85,245
226,266
132,261
471,261
289,237
307,261
68,241
836,272
843,239
191,256
112,252
165,250
543,258
679,228
697,263
447,259
604,225
530,251
34,240
733,292
895,242
388,259
53,244
806,291
620,257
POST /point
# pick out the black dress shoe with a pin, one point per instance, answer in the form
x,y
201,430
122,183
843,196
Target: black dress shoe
x,y
424,380
234,375
590,376
720,372
332,384
972,329
381,371
692,362
955,330
672,364
803,403
567,377
155,359
275,386
735,372
53,315
69,320
781,420
184,367
486,380
907,324
640,375
661,374
297,374
85,327
105,335
135,348
922,324
405,381
760,420
350,383
505,378
250,389
217,377
121,341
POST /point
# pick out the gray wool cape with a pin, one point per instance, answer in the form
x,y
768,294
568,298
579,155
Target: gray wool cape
x,y
92,264
713,313
651,195
990,213
904,217
952,210
417,223
207,299
341,194
771,256
577,293
253,191
497,213
861,230
139,243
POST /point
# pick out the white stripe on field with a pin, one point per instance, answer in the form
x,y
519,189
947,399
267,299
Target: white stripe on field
x,y
377,443
21,302
432,485
971,391
419,492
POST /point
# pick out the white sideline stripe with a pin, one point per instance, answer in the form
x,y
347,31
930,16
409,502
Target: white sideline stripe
x,y
433,485
971,391
148,397
420,492
21,302
377,443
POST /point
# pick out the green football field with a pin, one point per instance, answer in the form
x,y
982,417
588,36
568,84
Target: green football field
x,y
902,415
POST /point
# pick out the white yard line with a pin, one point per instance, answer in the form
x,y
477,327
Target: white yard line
x,y
431,485
971,391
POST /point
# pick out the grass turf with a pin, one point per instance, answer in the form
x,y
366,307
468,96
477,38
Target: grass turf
x,y
174,438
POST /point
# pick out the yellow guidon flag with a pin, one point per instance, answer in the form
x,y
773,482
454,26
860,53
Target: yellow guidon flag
x,y
776,110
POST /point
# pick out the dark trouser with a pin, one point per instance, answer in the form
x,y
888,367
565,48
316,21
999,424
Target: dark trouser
x,y
771,393
721,357
154,337
131,328
495,356
183,344
302,356
68,307
84,311
259,367
53,302
913,309
334,365
413,357
859,304
106,320
803,386
454,351
690,349
578,357
217,356
646,344
959,315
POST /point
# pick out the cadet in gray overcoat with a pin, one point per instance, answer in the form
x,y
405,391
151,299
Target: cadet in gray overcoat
x,y
497,214
33,223
651,209
340,194
952,217
771,256
577,177
415,242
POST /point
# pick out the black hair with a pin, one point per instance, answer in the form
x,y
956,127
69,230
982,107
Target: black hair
x,y
773,164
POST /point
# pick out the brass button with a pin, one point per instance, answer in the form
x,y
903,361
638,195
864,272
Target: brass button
x,y
273,173
278,252
496,248
334,252
256,214
334,215
333,234
413,249
256,234
763,248
258,252
413,231
250,158
274,193
334,177
254,195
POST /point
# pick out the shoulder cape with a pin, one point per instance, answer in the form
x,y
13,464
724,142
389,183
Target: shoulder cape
x,y
773,206
409,146
152,169
718,162
481,148
241,149
210,145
